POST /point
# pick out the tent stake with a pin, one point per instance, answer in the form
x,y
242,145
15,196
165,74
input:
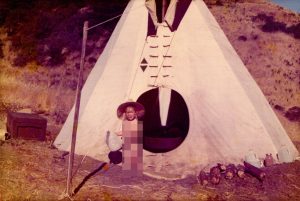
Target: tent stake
x,y
77,106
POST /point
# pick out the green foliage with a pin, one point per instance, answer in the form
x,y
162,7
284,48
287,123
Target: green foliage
x,y
46,31
1,50
295,30
273,26
3,14
15,4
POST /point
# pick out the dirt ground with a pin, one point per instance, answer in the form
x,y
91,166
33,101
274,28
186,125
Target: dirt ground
x,y
32,170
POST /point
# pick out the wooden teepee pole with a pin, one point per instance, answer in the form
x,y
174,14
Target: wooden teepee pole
x,y
77,106
164,9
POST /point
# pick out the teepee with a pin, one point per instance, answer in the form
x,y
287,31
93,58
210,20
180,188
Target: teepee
x,y
193,86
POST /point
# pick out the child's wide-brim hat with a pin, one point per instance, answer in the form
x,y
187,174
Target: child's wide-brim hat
x,y
139,109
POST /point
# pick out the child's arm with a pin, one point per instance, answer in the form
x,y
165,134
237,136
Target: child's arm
x,y
119,133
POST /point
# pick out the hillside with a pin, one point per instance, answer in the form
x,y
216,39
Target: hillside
x,y
40,52
40,45
267,38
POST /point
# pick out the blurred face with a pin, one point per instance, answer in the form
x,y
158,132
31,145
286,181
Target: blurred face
x,y
130,113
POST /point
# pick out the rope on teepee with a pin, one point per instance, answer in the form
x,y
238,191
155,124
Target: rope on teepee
x,y
164,58
110,19
136,70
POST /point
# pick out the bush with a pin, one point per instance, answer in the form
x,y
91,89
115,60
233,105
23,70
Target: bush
x,y
272,26
3,14
293,114
44,26
1,50
15,4
21,60
40,30
52,55
262,17
279,107
295,30
242,38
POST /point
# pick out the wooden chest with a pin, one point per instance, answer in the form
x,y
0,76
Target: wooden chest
x,y
26,126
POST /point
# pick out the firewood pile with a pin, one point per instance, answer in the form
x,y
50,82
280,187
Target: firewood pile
x,y
228,172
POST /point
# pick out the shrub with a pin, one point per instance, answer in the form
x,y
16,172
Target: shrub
x,y
271,26
279,107
295,30
92,60
51,56
262,17
44,26
21,60
15,4
293,114
242,38
40,30
3,14
1,50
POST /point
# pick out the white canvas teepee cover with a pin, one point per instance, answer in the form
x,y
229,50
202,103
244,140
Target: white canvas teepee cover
x,y
228,113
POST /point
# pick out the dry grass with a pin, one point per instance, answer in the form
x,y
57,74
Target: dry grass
x,y
30,88
24,94
23,178
36,89
30,170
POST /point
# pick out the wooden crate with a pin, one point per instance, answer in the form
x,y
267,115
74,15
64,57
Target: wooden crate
x,y
26,126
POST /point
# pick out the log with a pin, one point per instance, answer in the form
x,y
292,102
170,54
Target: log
x,y
269,160
222,167
215,175
231,171
215,180
254,171
240,171
215,171
232,167
203,178
229,174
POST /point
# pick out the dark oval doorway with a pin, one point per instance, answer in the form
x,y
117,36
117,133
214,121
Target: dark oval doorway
x,y
158,138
